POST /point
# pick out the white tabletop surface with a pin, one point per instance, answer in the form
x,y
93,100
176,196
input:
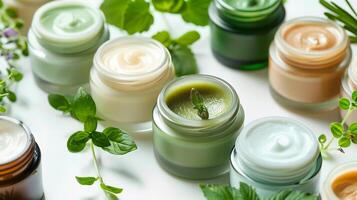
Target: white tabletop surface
x,y
138,172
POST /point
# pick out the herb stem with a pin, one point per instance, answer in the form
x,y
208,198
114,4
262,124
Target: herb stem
x,y
96,162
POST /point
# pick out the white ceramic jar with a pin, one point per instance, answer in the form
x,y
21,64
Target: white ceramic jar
x,y
127,77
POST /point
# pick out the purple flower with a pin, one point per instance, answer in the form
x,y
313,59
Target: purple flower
x,y
10,32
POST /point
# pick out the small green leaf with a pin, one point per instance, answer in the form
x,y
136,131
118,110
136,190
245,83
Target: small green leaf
x,y
86,180
344,103
110,196
293,195
198,104
111,189
336,129
354,139
12,96
76,142
354,96
322,138
163,37
196,11
188,38
138,17
2,109
100,140
59,102
90,125
120,142
83,105
184,60
220,192
114,11
247,192
11,12
1,4
15,75
344,142
170,6
353,128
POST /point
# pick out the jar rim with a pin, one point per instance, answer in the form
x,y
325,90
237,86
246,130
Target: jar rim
x,y
230,8
178,120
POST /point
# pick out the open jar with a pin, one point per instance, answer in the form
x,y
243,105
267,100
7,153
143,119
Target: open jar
x,y
241,31
186,145
63,39
308,59
20,158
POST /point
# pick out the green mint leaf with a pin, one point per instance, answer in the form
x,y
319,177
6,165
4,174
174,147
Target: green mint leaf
x,y
170,6
247,192
111,189
15,75
90,125
59,102
188,38
354,139
120,142
198,104
163,37
344,103
77,141
1,4
184,60
2,109
293,195
11,96
322,138
11,12
344,142
86,180
353,128
336,129
219,192
110,196
114,11
99,139
196,12
354,96
83,105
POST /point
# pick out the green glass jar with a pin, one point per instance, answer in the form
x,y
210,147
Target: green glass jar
x,y
186,145
241,31
63,39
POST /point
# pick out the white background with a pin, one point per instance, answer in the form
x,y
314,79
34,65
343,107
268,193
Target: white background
x,y
138,172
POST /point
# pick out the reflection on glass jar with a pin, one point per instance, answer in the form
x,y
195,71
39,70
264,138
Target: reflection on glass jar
x,y
307,61
186,145
20,158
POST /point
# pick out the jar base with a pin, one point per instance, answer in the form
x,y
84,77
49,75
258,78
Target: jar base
x,y
239,64
130,128
189,172
323,106
58,89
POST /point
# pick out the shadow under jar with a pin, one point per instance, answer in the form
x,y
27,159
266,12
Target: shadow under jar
x,y
241,31
20,158
349,84
275,154
127,77
63,39
308,59
184,144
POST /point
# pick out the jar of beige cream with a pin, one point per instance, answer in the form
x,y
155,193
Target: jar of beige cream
x,y
308,59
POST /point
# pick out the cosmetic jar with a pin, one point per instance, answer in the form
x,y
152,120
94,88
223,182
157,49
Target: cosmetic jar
x,y
63,39
275,154
241,31
349,84
20,162
341,183
186,145
308,59
25,10
127,77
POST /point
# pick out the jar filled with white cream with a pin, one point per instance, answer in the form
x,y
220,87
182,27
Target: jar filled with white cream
x,y
274,154
127,77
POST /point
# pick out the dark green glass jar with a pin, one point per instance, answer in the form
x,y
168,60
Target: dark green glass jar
x,y
241,31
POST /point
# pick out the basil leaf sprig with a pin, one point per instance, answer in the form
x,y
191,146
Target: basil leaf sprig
x,y
12,47
180,50
112,140
198,104
246,192
345,134
347,20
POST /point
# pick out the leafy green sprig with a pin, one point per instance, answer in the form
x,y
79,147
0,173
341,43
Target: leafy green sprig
x,y
246,192
112,140
348,20
12,47
345,134
198,104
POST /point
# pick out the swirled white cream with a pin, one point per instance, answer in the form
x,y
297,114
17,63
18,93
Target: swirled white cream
x,y
132,57
13,141
277,150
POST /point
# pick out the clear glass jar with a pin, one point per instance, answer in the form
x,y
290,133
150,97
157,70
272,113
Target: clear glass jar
x,y
349,84
308,79
20,168
274,154
126,99
241,34
196,149
327,192
62,49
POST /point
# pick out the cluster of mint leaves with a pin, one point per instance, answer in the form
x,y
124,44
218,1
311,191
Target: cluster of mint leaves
x,y
246,192
135,16
112,140
12,47
345,134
